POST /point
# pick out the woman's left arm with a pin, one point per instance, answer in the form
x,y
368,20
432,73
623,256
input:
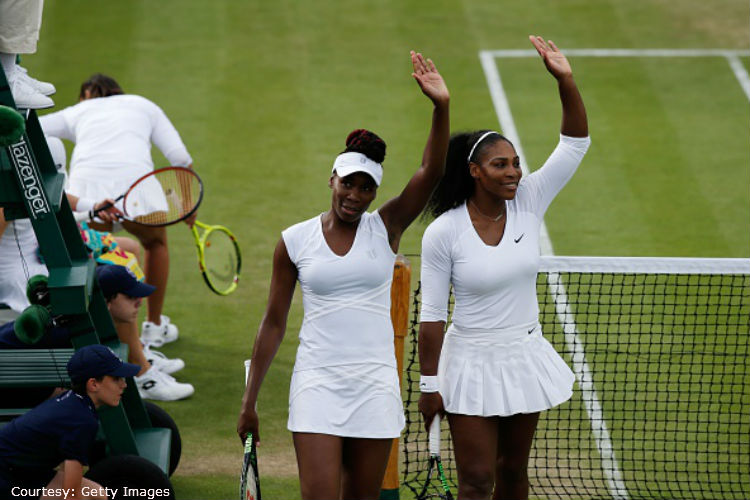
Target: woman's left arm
x,y
164,135
574,122
401,211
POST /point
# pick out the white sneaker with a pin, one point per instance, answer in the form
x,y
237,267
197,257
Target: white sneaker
x,y
158,335
26,96
159,386
44,88
161,362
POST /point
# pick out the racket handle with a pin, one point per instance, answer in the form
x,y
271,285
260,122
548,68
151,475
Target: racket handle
x,y
106,206
434,438
93,213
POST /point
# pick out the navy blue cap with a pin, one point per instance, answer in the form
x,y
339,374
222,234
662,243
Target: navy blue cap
x,y
115,279
97,360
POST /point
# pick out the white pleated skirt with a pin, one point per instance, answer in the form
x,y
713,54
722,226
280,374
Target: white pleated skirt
x,y
501,372
355,400
97,189
148,198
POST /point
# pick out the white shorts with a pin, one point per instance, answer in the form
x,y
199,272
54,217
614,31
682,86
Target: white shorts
x,y
501,372
356,400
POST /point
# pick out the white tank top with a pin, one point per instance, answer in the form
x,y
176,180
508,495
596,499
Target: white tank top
x,y
347,299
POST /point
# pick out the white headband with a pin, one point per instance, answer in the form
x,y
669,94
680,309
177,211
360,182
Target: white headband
x,y
468,160
349,163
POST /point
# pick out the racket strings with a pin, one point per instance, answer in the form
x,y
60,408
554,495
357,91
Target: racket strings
x,y
166,196
221,260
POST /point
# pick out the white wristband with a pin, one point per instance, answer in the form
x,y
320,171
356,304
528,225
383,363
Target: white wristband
x,y
428,383
85,205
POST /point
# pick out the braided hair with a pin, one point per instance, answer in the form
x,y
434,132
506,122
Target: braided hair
x,y
100,85
457,185
366,142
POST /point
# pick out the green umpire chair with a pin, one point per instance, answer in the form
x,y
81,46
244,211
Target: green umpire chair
x,y
31,187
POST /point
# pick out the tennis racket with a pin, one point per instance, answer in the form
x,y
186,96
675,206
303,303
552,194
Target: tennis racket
x,y
160,198
249,481
219,257
430,488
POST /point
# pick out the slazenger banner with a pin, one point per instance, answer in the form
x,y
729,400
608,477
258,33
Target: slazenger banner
x,y
30,182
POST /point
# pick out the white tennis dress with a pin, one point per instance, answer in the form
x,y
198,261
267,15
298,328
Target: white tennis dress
x,y
345,381
113,137
495,360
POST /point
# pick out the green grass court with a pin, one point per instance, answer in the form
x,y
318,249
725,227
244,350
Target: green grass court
x,y
264,93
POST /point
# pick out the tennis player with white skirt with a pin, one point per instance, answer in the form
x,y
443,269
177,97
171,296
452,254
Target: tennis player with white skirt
x,y
113,132
493,372
345,405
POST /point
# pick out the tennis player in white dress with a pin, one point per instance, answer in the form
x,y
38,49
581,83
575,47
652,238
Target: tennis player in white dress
x,y
113,133
344,401
492,372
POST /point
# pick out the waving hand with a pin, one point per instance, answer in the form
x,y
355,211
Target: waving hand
x,y
428,78
554,60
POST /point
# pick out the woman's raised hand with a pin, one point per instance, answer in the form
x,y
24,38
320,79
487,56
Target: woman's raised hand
x,y
429,79
554,60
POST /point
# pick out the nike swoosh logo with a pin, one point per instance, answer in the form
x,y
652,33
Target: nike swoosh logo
x,y
532,330
519,238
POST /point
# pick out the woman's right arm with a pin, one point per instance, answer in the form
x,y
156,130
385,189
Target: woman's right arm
x,y
270,335
430,345
436,281
55,125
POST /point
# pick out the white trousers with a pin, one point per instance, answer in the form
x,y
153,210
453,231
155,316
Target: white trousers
x,y
20,21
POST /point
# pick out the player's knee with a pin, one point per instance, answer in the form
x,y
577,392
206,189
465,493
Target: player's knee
x,y
154,243
476,482
512,473
151,238
318,490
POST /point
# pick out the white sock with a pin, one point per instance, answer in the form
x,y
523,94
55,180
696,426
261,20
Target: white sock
x,y
9,63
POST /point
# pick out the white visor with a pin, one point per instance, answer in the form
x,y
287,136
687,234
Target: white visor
x,y
349,163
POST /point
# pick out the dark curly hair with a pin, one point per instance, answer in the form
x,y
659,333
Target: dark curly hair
x,y
457,185
366,142
100,85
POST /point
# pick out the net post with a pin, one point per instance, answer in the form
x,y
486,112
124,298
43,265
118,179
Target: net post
x,y
400,290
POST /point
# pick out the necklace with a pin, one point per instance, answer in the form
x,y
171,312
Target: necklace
x,y
493,219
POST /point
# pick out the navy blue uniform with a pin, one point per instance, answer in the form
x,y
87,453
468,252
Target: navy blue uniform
x,y
32,445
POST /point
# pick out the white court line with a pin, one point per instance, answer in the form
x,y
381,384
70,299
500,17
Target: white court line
x,y
624,53
564,313
740,73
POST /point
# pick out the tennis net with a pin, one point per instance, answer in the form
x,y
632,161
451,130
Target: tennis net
x,y
661,405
